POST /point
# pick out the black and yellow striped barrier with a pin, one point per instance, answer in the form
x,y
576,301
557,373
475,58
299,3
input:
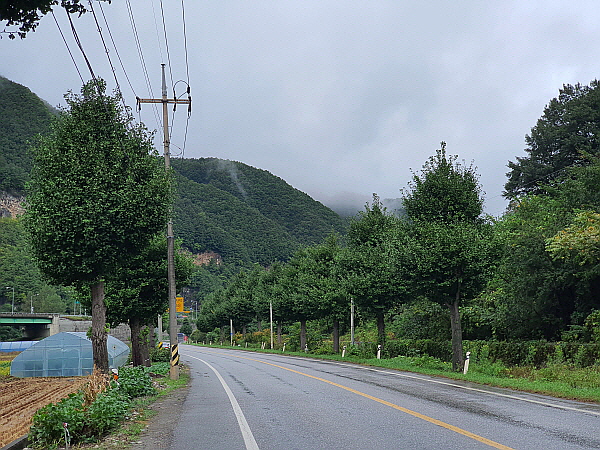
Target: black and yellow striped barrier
x,y
175,355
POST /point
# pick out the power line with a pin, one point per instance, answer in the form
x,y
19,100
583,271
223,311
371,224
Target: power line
x,y
187,67
162,12
112,67
116,50
68,49
141,56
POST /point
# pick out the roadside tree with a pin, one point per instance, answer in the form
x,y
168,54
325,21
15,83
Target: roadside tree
x,y
450,237
98,194
138,292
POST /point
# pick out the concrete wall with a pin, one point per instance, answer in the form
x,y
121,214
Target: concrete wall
x,y
121,332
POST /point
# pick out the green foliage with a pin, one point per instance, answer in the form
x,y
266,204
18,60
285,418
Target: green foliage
x,y
580,240
27,13
245,214
22,117
85,423
567,131
186,327
139,290
592,325
96,194
160,355
421,319
47,424
107,411
160,368
134,382
8,334
198,336
445,192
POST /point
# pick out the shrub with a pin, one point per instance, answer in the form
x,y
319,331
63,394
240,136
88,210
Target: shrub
x,y
47,429
160,355
107,411
135,382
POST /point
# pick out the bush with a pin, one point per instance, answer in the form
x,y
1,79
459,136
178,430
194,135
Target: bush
x,y
160,355
47,429
198,336
135,382
107,411
88,420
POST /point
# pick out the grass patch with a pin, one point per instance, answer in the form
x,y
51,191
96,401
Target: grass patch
x,y
560,381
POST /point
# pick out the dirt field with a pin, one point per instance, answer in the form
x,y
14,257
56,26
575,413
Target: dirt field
x,y
20,398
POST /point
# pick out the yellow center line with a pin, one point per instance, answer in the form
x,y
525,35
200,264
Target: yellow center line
x,y
391,405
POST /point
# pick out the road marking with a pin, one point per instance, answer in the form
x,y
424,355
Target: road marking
x,y
384,402
498,394
244,427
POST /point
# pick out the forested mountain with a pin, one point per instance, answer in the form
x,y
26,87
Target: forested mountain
x,y
245,213
22,116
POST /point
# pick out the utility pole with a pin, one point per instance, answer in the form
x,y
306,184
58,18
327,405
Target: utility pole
x,y
174,372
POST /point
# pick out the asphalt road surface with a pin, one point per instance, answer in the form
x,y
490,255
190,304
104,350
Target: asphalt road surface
x,y
242,400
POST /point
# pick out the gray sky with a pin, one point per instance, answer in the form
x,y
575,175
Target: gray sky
x,y
339,98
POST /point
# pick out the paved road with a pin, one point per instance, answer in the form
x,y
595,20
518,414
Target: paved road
x,y
241,400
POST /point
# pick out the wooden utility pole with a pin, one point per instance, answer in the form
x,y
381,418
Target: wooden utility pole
x,y
174,373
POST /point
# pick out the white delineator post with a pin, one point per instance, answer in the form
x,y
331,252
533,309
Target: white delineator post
x,y
466,369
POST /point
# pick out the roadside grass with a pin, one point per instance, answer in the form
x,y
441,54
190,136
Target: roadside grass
x,y
557,380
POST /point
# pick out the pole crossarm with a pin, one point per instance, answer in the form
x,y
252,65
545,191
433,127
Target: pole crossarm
x,y
178,101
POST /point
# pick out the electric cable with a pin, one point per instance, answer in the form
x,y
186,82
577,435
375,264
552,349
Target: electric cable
x,y
68,48
112,67
116,50
143,63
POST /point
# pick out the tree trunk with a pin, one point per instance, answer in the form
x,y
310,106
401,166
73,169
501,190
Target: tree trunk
x,y
302,335
136,353
457,347
380,329
145,345
279,338
99,334
151,337
336,336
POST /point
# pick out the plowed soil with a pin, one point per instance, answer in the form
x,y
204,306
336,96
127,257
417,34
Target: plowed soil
x,y
20,398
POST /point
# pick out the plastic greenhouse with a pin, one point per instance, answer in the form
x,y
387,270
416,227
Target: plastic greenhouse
x,y
15,346
65,354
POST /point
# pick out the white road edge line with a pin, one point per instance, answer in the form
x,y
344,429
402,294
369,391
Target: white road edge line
x,y
513,397
244,427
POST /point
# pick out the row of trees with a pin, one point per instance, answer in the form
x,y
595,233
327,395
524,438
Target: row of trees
x,y
533,273
440,251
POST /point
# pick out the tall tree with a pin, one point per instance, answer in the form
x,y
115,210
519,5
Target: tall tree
x,y
371,278
445,206
97,195
137,293
568,130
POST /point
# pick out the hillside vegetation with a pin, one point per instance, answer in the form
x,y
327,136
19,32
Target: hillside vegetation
x,y
245,214
22,116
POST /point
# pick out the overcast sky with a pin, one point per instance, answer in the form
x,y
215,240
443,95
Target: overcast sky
x,y
339,98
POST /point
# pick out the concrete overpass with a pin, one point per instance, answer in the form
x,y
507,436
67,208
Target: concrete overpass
x,y
34,326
